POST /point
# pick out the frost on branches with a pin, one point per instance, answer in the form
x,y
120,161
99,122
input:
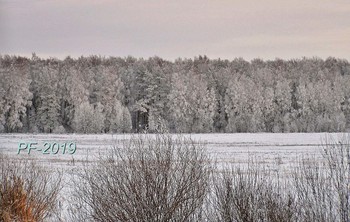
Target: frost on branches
x,y
122,95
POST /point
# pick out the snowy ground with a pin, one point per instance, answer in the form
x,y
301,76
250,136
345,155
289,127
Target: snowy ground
x,y
224,147
276,150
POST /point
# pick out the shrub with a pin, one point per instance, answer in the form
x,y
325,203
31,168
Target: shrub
x,y
27,191
251,194
146,179
322,185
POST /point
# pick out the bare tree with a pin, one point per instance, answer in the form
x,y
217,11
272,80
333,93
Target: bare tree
x,y
146,179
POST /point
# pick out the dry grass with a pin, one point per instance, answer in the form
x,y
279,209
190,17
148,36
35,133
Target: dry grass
x,y
15,205
27,192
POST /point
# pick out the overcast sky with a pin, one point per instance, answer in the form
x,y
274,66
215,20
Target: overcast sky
x,y
180,28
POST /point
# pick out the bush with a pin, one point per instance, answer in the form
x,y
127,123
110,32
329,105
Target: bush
x,y
27,191
251,194
146,179
317,190
322,185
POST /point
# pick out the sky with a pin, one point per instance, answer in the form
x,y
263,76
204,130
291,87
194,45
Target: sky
x,y
227,29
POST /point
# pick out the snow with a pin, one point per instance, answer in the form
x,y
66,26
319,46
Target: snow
x,y
229,148
276,150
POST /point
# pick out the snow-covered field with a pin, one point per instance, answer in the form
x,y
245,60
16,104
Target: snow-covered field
x,y
267,147
278,151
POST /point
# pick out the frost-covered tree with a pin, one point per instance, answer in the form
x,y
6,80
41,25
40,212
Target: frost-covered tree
x,y
151,86
192,104
188,95
15,94
283,107
107,91
121,119
320,107
243,106
179,112
343,83
221,78
47,106
72,91
125,125
88,119
115,117
48,113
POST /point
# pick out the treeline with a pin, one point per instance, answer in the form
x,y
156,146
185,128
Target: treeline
x,y
97,94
